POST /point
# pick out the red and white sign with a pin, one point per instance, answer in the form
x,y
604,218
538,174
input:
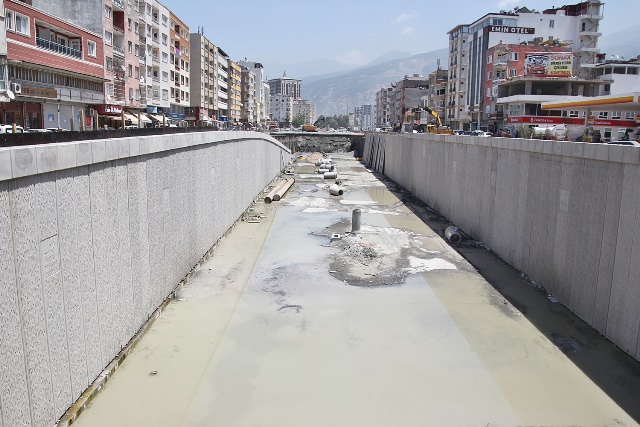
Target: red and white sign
x,y
108,109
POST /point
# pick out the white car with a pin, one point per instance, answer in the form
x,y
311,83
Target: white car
x,y
9,129
481,133
628,143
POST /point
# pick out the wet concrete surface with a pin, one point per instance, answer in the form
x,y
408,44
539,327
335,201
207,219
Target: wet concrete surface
x,y
285,326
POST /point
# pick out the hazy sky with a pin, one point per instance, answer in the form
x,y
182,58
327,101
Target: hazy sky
x,y
351,32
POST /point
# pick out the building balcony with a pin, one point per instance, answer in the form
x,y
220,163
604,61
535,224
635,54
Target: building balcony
x,y
118,29
590,33
155,58
142,39
588,49
156,79
118,4
117,50
55,47
592,17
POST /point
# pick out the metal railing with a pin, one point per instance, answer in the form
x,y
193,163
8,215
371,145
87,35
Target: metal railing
x,y
56,47
118,49
119,3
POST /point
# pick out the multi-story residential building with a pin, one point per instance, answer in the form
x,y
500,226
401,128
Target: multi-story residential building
x,y
55,70
249,104
383,107
179,53
438,81
286,86
203,76
407,94
222,64
456,112
302,107
624,75
235,92
262,89
577,24
154,57
281,109
364,117
4,96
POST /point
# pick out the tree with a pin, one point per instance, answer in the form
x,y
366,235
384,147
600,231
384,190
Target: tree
x,y
298,120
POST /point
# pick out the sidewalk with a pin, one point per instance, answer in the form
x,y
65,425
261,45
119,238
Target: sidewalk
x,y
389,327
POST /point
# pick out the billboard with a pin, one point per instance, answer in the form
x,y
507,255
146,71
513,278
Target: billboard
x,y
548,64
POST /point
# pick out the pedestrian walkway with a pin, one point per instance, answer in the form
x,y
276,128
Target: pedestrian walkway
x,y
296,322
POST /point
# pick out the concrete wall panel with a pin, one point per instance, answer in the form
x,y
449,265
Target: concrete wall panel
x,y
14,392
567,221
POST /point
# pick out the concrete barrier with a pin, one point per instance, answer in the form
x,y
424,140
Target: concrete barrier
x,y
94,235
564,213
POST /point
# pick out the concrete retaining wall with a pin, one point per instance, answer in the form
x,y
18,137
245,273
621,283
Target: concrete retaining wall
x,y
564,213
93,236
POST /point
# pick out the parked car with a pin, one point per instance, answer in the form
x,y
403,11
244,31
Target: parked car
x,y
32,130
458,132
481,133
9,129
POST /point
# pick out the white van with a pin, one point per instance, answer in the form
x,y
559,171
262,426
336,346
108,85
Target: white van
x,y
9,129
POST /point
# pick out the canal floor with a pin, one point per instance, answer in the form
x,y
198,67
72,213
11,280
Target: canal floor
x,y
288,324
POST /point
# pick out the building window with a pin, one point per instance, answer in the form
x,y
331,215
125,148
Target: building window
x,y
165,95
3,77
9,20
136,27
488,75
603,115
488,92
607,134
513,72
130,70
165,57
130,93
552,23
107,38
130,47
129,24
107,12
136,72
164,20
573,113
137,94
91,48
165,76
629,115
109,63
616,114
164,39
22,24
489,59
514,56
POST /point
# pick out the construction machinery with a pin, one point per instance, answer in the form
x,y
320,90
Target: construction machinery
x,y
412,122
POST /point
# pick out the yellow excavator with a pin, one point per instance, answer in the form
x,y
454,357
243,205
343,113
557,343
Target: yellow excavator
x,y
412,115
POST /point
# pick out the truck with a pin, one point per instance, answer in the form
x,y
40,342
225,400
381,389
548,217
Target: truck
x,y
273,126
309,128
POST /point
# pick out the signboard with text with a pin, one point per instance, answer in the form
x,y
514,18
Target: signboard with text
x,y
548,64
511,30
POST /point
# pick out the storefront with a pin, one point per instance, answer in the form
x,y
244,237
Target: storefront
x,y
22,113
109,115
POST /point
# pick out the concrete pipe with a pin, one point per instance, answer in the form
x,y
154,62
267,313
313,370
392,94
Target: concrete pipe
x,y
336,190
319,162
330,175
269,197
323,170
453,235
356,218
281,192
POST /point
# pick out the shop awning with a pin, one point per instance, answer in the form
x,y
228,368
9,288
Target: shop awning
x,y
156,117
131,117
143,117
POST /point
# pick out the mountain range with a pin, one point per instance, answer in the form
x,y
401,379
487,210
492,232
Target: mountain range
x,y
340,91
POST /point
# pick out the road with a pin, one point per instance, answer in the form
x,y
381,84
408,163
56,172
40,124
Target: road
x,y
387,327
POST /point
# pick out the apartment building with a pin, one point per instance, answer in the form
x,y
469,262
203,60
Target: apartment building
x,y
235,92
263,90
456,111
223,85
4,96
364,117
437,93
383,107
55,70
286,86
179,54
576,24
203,75
248,95
302,107
281,109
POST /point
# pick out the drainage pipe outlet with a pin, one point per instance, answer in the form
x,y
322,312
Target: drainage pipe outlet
x,y
453,235
281,192
336,190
